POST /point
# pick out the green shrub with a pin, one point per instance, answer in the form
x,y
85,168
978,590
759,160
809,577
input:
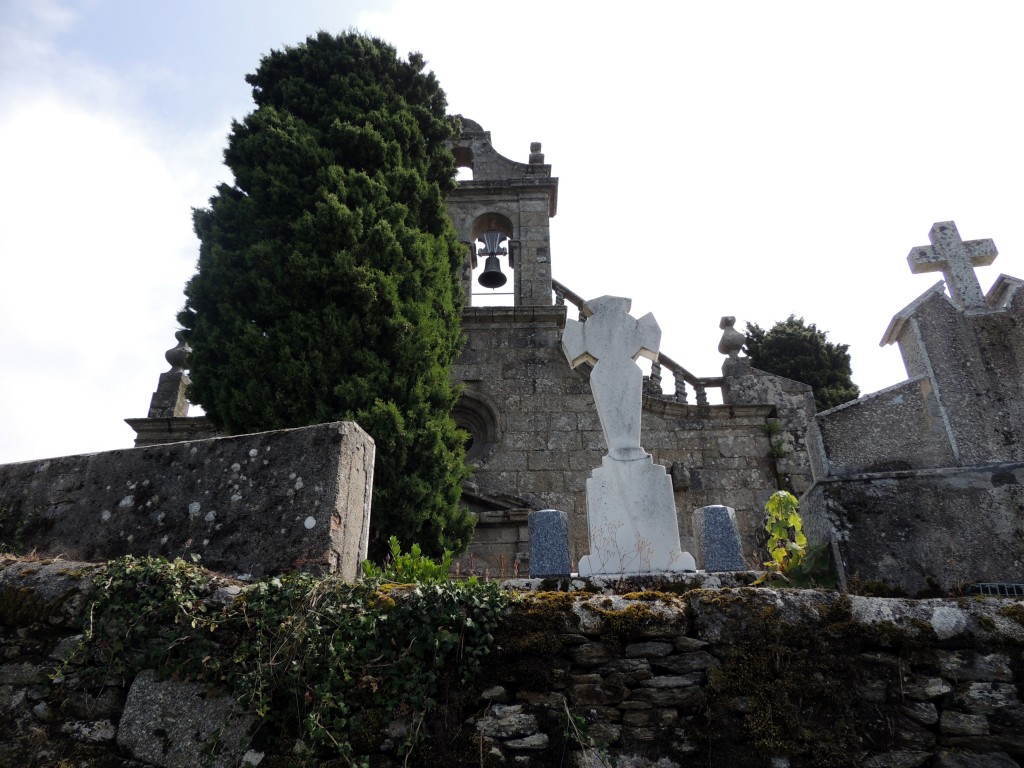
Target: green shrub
x,y
412,567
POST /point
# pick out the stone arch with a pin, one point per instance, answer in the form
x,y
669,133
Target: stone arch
x,y
463,164
491,220
477,414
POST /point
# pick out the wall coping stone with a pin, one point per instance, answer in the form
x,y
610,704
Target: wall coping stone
x,y
247,505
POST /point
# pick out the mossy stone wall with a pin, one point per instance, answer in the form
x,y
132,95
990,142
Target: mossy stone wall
x,y
733,677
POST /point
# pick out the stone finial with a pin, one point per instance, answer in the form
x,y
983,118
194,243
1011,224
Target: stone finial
x,y
956,260
177,356
536,156
732,340
169,399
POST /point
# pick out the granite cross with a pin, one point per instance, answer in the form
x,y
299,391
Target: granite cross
x,y
956,260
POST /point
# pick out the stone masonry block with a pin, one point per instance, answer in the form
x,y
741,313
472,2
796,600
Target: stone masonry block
x,y
524,441
536,482
547,460
563,441
256,504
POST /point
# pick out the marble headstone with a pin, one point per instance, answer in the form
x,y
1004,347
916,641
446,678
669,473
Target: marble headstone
x,y
631,512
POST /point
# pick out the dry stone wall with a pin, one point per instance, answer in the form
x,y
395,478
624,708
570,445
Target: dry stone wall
x,y
707,674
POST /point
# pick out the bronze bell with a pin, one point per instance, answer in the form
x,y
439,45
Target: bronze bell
x,y
492,277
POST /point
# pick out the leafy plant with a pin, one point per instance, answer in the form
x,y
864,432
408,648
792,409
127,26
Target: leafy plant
x,y
786,541
412,567
314,657
815,569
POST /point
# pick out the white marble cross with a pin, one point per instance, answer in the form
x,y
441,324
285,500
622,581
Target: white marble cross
x,y
956,260
631,512
612,341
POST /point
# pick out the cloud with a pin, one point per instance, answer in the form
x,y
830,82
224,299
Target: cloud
x,y
96,227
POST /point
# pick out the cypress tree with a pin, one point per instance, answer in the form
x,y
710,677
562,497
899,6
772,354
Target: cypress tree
x,y
327,281
801,352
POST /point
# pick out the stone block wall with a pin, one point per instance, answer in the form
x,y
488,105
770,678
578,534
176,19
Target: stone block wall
x,y
859,437
537,435
920,486
722,677
252,504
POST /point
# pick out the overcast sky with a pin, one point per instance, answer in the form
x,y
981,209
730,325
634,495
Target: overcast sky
x,y
748,158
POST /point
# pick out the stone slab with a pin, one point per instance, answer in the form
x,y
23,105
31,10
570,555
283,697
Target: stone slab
x,y
549,544
253,504
718,540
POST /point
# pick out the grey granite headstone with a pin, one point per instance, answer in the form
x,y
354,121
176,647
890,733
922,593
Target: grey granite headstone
x,y
718,540
549,544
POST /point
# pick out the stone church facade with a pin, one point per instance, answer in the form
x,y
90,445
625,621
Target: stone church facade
x,y
918,486
534,431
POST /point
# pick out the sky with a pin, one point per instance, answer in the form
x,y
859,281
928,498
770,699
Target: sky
x,y
733,158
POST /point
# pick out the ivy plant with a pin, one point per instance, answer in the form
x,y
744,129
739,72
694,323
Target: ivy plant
x,y
315,658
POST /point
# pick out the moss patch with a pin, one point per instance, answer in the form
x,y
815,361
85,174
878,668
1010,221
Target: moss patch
x,y
1015,612
530,639
637,620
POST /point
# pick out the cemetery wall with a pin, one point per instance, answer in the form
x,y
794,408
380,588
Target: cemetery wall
x,y
729,677
252,504
859,437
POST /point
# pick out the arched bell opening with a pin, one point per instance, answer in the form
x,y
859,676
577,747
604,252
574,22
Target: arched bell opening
x,y
493,261
463,163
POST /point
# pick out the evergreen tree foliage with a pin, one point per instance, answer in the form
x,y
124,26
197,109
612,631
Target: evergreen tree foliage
x,y
801,352
327,281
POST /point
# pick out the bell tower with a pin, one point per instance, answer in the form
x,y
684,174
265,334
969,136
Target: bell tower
x,y
503,215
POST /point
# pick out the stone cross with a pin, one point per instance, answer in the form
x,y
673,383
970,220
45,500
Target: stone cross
x,y
612,341
631,512
956,260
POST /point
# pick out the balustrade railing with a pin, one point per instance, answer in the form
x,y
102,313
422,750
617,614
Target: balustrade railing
x,y
652,386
